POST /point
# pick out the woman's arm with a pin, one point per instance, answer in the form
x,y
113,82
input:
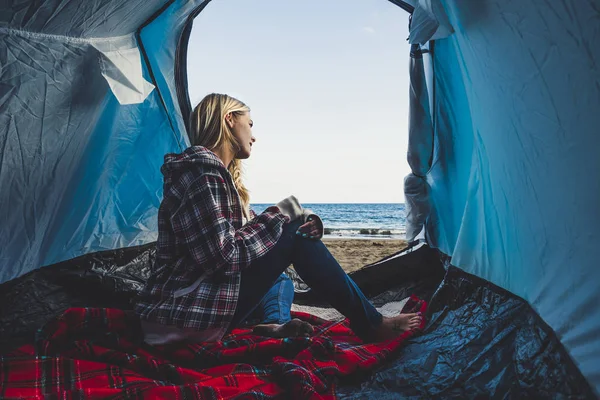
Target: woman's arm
x,y
211,239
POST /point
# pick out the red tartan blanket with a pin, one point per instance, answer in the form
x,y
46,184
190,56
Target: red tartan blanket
x,y
97,353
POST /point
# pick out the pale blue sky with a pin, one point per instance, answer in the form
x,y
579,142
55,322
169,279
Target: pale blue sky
x,y
327,82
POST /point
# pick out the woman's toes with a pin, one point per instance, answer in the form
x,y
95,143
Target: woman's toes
x,y
416,322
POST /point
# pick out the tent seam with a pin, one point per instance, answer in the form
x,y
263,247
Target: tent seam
x,y
73,39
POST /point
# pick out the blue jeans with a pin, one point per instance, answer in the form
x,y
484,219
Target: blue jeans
x,y
275,307
318,268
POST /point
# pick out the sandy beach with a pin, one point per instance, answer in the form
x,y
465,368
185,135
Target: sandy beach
x,y
352,254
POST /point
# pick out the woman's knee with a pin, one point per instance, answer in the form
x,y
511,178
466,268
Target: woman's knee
x,y
292,227
289,232
301,244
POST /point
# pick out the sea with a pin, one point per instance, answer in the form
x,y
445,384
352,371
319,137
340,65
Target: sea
x,y
357,221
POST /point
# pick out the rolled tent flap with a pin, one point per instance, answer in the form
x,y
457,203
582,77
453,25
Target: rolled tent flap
x,y
420,147
420,128
429,22
417,204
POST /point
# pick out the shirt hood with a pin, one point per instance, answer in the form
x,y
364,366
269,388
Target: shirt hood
x,y
195,156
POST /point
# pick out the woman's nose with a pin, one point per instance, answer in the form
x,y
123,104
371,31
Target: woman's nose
x,y
253,139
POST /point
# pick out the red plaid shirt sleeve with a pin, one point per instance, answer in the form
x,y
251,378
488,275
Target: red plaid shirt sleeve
x,y
203,222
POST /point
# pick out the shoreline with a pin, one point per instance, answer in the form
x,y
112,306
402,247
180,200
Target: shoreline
x,y
363,237
354,253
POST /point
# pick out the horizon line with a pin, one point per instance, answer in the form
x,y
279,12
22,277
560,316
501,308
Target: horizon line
x,y
334,202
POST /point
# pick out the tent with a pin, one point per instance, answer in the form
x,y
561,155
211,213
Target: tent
x,y
504,106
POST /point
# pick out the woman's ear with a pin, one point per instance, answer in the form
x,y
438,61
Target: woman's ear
x,y
229,120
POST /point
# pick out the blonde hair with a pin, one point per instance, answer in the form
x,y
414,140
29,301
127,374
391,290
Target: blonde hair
x,y
208,128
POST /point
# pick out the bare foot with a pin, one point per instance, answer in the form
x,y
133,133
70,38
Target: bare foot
x,y
392,327
293,328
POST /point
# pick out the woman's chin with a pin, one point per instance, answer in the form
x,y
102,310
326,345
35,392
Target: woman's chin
x,y
242,155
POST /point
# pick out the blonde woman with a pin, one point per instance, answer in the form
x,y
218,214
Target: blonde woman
x,y
218,263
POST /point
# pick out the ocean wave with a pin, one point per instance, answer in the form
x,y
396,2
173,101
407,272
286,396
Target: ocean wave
x,y
365,232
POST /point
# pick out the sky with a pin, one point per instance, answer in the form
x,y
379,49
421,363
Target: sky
x,y
327,83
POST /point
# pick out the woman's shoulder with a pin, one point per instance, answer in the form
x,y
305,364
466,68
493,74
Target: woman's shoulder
x,y
204,175
193,176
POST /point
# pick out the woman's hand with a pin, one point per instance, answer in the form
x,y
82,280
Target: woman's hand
x,y
312,229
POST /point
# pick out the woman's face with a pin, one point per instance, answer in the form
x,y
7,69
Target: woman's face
x,y
241,127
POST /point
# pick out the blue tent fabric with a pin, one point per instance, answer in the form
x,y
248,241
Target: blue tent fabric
x,y
79,171
98,18
514,186
506,183
160,41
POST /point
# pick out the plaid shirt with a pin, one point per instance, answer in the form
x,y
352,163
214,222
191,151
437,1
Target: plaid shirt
x,y
202,244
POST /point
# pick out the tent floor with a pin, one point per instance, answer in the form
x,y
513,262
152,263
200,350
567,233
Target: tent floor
x,y
480,341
